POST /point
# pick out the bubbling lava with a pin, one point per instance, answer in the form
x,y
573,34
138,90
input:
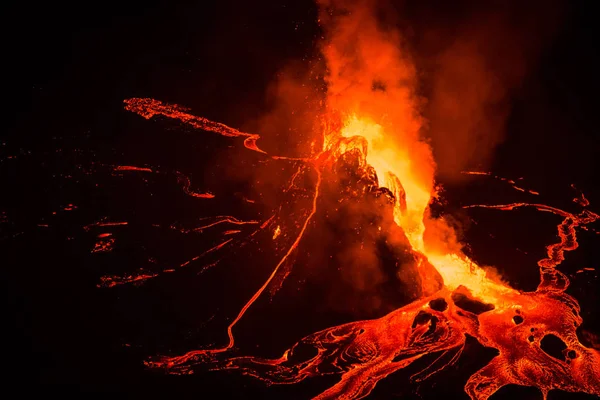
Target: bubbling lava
x,y
469,303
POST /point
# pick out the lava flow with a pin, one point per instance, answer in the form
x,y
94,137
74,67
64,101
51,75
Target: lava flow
x,y
469,302
373,155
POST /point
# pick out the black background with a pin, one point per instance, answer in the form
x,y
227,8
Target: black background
x,y
67,69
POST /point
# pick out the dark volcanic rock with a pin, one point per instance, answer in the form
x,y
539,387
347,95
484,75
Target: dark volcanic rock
x,y
360,261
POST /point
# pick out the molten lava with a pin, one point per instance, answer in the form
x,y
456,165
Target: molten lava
x,y
470,303
372,147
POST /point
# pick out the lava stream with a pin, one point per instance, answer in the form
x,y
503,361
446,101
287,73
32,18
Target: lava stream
x,y
148,108
470,302
551,278
193,356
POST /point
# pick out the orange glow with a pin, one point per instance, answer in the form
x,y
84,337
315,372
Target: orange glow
x,y
371,95
371,109
394,165
511,321
148,108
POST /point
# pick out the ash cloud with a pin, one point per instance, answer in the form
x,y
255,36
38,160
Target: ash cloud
x,y
474,58
437,79
370,74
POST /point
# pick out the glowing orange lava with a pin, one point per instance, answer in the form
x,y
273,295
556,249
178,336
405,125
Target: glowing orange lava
x,y
371,111
511,321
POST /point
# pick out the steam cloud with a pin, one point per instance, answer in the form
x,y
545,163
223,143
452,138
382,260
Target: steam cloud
x,y
442,94
475,64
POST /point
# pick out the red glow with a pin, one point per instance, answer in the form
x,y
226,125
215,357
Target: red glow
x,y
383,346
371,112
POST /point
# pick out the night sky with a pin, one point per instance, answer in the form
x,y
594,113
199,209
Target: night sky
x,y
67,70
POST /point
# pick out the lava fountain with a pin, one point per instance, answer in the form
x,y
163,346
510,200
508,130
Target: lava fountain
x,y
372,146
